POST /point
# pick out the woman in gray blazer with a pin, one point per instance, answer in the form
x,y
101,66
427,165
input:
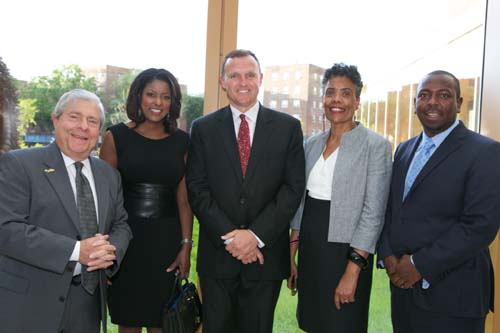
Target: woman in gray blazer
x,y
340,218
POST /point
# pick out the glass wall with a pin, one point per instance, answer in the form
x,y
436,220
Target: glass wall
x,y
393,43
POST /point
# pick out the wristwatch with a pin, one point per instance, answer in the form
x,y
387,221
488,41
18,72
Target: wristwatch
x,y
358,259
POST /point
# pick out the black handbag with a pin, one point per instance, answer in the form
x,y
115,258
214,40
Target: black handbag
x,y
182,314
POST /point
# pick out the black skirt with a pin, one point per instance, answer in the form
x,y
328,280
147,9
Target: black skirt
x,y
321,265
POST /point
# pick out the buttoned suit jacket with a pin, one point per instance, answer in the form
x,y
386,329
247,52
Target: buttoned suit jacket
x,y
449,217
264,201
39,226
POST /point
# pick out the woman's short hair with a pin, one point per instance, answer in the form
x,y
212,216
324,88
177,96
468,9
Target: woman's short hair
x,y
135,94
349,71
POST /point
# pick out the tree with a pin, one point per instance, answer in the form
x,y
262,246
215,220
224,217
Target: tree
x,y
118,98
8,100
47,90
27,113
192,108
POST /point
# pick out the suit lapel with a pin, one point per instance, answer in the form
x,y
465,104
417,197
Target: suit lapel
x,y
228,138
102,201
57,175
449,145
263,130
315,152
405,160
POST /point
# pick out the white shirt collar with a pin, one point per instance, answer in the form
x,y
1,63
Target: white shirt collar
x,y
68,161
251,114
440,137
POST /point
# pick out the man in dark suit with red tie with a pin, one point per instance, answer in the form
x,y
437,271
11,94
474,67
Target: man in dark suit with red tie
x,y
245,178
443,212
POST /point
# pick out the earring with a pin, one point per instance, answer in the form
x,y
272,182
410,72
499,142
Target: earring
x,y
139,112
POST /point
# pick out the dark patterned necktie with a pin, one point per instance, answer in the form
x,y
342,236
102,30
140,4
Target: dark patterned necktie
x,y
244,144
88,222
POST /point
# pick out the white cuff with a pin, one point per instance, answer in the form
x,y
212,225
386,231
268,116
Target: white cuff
x,y
75,255
425,283
260,243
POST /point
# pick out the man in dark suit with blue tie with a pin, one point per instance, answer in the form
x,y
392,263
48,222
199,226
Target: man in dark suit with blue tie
x,y
245,177
63,227
443,212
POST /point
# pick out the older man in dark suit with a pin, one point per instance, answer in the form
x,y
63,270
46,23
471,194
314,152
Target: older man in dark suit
x,y
62,226
443,212
245,179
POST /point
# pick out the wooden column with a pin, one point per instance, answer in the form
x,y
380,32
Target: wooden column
x,y
490,124
222,29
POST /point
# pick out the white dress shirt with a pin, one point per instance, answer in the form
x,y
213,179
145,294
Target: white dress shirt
x,y
319,183
251,118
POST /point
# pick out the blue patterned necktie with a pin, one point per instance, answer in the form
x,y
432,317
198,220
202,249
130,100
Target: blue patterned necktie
x,y
88,222
421,157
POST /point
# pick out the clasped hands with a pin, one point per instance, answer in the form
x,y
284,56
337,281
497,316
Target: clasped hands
x,y
242,245
97,252
402,273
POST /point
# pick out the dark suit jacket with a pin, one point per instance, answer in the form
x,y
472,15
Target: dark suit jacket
x,y
265,201
447,221
39,226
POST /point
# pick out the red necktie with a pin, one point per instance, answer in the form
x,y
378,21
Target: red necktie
x,y
244,144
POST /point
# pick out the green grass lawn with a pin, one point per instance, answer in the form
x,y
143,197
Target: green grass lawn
x,y
285,320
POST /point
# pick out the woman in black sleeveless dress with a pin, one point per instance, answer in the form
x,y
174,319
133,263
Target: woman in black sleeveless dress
x,y
149,152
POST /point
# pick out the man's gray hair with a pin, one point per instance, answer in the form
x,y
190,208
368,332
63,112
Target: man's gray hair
x,y
75,95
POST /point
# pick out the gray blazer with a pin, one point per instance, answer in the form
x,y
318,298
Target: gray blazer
x,y
360,186
39,226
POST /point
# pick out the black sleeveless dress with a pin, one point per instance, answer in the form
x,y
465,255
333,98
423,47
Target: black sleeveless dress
x,y
150,170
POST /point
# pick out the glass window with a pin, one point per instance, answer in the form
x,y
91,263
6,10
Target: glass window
x,y
284,103
296,103
452,40
296,91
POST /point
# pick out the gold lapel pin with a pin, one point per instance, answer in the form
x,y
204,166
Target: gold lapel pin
x,y
49,170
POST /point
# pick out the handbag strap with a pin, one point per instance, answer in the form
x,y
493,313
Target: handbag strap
x,y
177,286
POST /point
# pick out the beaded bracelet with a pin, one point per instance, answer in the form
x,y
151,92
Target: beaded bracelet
x,y
187,241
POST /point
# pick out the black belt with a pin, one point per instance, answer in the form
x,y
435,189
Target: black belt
x,y
147,200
